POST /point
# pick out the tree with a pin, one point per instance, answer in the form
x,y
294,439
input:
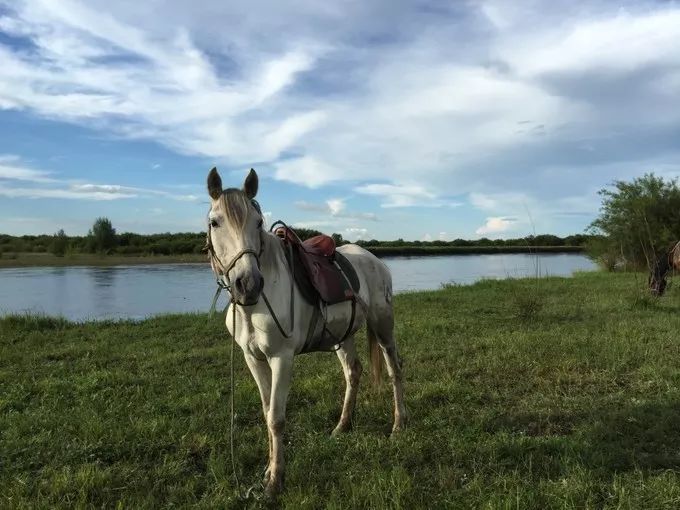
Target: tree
x,y
102,237
59,243
639,220
339,241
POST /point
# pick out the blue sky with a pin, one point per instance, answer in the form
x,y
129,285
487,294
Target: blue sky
x,y
383,119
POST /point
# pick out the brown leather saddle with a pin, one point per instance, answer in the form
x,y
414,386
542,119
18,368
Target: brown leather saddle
x,y
324,277
321,272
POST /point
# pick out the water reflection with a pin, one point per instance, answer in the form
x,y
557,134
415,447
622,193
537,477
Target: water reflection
x,y
82,293
103,276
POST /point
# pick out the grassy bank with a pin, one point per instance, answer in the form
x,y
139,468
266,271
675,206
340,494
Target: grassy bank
x,y
87,259
92,259
561,395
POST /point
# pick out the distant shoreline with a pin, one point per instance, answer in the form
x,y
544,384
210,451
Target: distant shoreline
x,y
406,251
9,260
17,260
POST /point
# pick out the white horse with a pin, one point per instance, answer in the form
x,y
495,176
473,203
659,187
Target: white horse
x,y
253,263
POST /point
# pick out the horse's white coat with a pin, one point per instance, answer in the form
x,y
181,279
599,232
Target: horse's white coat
x,y
269,355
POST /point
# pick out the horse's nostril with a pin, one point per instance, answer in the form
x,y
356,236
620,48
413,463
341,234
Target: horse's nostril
x,y
239,285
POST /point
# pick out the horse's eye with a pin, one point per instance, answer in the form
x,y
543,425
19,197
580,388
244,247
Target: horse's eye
x,y
214,224
260,223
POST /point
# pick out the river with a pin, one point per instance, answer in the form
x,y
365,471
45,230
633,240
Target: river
x,y
135,292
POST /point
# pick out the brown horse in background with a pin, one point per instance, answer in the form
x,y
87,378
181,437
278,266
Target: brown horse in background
x,y
667,262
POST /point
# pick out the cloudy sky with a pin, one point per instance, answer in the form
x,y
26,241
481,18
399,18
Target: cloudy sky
x,y
382,119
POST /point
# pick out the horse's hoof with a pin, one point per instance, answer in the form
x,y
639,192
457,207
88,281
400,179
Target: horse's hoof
x,y
341,429
396,432
273,488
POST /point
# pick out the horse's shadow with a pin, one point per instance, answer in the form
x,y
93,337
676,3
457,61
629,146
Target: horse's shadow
x,y
638,436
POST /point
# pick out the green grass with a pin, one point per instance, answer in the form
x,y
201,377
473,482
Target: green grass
x,y
573,403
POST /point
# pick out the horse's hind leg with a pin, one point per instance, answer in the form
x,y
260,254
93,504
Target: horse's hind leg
x,y
384,331
351,366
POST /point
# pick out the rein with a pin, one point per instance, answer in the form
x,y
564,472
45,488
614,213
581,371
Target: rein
x,y
221,284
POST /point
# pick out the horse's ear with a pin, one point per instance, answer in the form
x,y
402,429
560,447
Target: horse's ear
x,y
214,184
250,185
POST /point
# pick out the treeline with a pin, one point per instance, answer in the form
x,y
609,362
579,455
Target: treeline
x,y
126,243
577,240
103,238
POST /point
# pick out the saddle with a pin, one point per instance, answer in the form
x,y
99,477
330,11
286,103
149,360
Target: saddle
x,y
324,277
321,272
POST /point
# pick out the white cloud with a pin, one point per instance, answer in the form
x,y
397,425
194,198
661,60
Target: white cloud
x,y
129,191
313,224
622,43
485,97
496,225
88,65
397,195
355,233
20,192
306,171
11,168
336,208
404,195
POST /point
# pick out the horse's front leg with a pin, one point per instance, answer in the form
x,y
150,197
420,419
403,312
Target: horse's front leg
x,y
263,377
282,371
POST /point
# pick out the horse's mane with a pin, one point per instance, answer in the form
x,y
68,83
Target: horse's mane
x,y
235,203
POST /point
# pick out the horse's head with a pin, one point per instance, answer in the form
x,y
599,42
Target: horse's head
x,y
234,240
657,276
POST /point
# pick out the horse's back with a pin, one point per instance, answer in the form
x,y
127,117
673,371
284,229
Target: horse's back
x,y
374,275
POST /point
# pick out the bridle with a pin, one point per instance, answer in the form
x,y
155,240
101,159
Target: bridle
x,y
220,268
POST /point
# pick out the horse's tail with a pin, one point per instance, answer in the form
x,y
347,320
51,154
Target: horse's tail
x,y
375,356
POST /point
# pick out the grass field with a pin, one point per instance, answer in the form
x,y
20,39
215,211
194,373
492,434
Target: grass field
x,y
558,394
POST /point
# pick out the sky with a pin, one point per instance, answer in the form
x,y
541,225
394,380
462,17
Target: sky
x,y
376,120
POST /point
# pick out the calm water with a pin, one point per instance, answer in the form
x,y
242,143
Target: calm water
x,y
81,293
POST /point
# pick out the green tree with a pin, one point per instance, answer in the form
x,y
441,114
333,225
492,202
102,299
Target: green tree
x,y
639,220
59,243
102,236
339,241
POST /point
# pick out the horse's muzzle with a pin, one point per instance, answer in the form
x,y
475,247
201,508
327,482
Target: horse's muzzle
x,y
247,289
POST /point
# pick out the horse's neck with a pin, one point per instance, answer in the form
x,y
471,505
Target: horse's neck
x,y
273,262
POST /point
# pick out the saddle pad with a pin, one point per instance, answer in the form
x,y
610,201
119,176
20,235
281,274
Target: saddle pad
x,y
318,277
